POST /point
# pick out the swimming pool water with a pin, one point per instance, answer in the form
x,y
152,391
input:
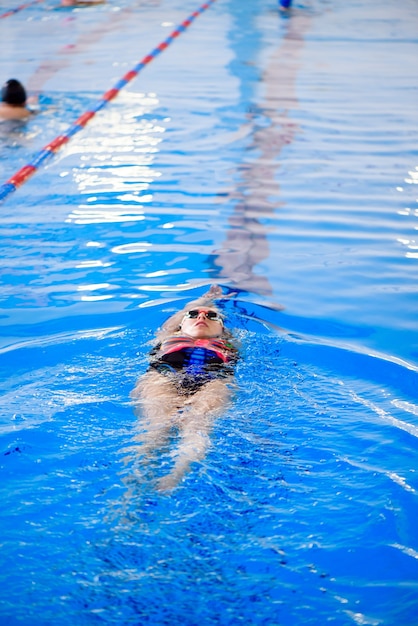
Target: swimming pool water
x,y
272,154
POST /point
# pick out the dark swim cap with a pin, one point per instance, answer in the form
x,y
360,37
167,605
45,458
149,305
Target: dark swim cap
x,y
13,93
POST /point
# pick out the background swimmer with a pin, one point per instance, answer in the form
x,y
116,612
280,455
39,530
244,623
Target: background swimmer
x,y
188,384
13,105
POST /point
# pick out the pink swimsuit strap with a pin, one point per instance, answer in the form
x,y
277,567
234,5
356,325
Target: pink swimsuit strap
x,y
176,343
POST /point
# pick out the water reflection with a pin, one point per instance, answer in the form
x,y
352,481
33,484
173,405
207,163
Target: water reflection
x,y
96,215
120,163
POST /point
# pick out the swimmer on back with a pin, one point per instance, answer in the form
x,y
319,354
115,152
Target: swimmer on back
x,y
188,384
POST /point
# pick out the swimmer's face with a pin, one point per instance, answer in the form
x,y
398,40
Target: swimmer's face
x,y
202,323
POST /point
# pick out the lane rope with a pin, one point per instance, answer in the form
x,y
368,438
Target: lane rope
x,y
56,144
19,8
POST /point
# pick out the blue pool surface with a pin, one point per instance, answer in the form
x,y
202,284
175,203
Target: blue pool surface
x,y
275,154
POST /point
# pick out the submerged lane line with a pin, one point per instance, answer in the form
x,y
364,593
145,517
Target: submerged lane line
x,y
19,8
56,144
62,57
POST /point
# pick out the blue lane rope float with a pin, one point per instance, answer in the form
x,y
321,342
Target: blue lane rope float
x,y
19,8
285,4
56,144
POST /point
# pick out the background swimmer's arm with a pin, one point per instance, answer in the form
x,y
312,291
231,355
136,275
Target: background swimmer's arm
x,y
32,104
81,3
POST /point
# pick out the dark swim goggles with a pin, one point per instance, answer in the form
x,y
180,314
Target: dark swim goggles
x,y
210,315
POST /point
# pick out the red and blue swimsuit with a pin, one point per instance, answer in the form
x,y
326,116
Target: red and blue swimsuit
x,y
194,362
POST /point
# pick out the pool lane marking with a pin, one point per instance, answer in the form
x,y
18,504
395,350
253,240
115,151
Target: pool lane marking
x,y
56,144
61,59
19,8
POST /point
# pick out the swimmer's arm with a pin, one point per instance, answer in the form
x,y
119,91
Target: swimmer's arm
x,y
232,354
32,104
154,352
